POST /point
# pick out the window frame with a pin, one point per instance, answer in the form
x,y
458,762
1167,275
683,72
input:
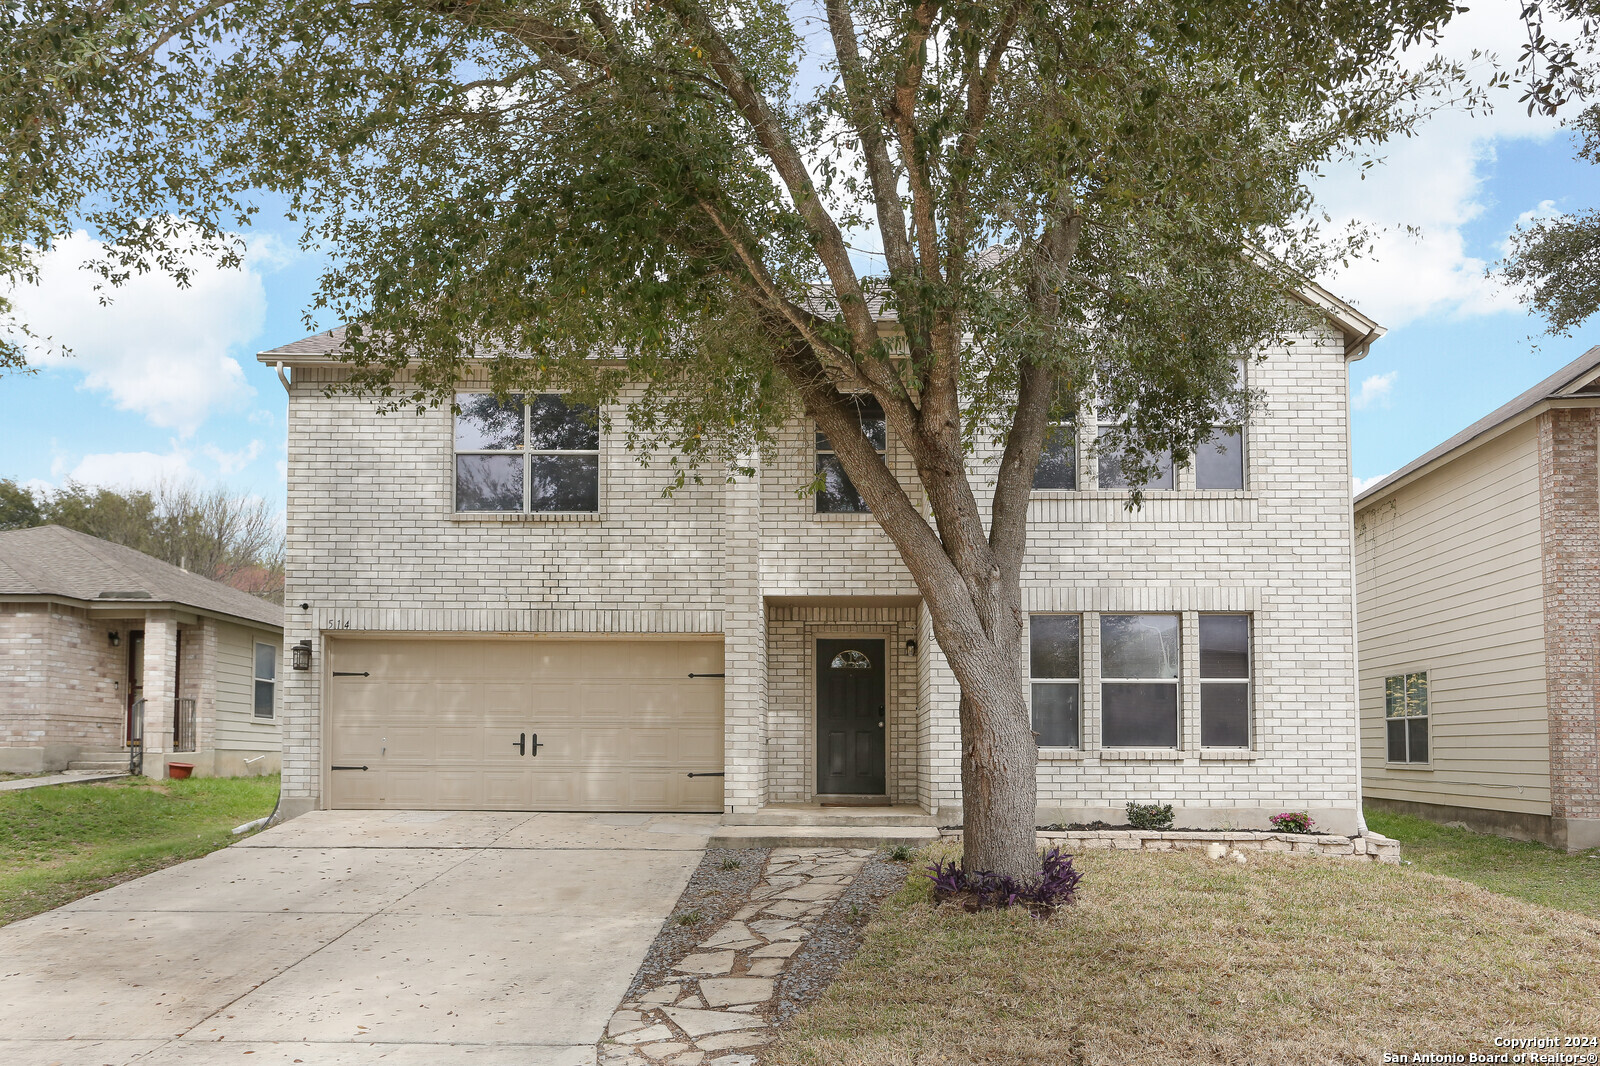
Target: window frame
x,y
1248,680
1176,681
1408,717
1050,431
1100,457
255,674
817,452
1075,682
1242,376
527,455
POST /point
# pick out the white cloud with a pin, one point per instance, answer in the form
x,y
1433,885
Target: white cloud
x,y
156,349
262,417
1432,182
232,462
123,470
1358,485
1374,389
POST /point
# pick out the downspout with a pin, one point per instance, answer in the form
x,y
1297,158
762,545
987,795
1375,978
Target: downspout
x,y
1355,629
272,819
282,377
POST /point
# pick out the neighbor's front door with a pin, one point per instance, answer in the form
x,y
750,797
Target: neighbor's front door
x,y
850,721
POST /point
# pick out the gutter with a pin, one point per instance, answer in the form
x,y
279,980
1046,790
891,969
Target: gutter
x,y
282,377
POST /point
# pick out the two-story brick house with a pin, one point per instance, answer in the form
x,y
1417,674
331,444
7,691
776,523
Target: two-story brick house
x,y
501,609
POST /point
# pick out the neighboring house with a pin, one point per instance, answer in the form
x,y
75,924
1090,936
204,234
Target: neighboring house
x,y
501,609
1478,568
93,634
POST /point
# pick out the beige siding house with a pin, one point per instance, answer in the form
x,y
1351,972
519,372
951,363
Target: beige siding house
x,y
102,646
499,609
1478,569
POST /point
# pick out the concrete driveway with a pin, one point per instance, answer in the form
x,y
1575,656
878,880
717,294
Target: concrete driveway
x,y
412,938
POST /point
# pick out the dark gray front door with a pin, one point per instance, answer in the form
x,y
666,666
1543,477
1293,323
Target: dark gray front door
x,y
850,721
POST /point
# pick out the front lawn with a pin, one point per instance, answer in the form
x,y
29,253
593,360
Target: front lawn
x,y
1522,868
62,842
1178,958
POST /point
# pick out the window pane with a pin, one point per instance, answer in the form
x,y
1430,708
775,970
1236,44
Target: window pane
x,y
1139,645
1055,715
1416,695
1394,697
1110,463
1219,461
874,426
264,690
1139,716
489,482
1417,733
1397,739
485,424
266,661
564,483
1224,716
1053,645
555,425
1224,645
837,495
1058,463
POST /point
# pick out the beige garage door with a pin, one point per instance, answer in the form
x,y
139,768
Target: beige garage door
x,y
452,724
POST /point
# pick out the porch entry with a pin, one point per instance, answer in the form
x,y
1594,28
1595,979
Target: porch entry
x,y
850,717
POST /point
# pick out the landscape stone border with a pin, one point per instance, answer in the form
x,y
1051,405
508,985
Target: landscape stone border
x,y
1366,846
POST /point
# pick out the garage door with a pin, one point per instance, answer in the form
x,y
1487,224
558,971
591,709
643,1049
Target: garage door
x,y
524,725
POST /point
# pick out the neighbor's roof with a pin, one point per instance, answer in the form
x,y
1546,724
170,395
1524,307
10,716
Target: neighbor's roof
x,y
59,563
1577,378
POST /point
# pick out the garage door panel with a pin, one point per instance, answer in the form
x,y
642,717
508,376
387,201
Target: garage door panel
x,y
619,722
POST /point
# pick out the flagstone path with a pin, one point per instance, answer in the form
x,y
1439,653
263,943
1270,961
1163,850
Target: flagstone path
x,y
718,1006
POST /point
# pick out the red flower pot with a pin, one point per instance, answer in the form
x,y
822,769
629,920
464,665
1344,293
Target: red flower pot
x,y
179,770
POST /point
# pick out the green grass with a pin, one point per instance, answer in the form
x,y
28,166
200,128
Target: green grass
x,y
63,842
1521,868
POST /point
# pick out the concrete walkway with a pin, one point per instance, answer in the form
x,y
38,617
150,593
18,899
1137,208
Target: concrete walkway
x,y
343,938
55,779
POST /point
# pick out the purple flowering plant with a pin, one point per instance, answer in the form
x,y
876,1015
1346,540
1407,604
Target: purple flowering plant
x,y
982,890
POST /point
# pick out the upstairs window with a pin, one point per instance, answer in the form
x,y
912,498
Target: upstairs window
x,y
1224,681
1110,463
835,494
1139,680
1053,659
1058,462
535,454
1405,712
266,681
1219,459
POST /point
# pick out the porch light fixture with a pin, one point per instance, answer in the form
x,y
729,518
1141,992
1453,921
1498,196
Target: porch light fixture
x,y
115,638
301,657
911,645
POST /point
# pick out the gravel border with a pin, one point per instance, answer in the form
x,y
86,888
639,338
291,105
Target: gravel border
x,y
714,894
836,936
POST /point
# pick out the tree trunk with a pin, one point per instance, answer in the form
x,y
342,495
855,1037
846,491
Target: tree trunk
x,y
999,763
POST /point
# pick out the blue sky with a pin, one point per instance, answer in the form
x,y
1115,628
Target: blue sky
x,y
164,382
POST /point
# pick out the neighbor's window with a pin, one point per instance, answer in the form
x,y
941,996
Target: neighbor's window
x,y
1139,680
1110,462
1219,459
1058,462
266,680
1225,681
1053,652
1405,711
536,454
836,495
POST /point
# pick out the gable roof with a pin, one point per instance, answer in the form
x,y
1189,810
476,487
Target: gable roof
x,y
53,561
1577,379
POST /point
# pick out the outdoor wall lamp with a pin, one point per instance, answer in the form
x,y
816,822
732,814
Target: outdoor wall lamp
x,y
911,645
114,637
301,657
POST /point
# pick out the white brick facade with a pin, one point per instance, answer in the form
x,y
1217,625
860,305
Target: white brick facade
x,y
374,547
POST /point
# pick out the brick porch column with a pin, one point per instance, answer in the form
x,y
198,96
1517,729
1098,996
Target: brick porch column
x,y
160,689
744,626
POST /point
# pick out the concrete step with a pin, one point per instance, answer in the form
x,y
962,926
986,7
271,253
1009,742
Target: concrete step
x,y
98,766
816,814
821,836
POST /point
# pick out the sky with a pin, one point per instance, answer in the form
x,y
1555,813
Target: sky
x,y
163,383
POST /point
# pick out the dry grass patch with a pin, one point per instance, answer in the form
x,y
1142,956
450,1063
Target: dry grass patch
x,y
1176,958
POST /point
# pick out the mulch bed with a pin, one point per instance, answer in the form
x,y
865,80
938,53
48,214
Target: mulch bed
x,y
712,897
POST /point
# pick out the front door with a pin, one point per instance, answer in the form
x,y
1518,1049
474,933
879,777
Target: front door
x,y
135,680
850,721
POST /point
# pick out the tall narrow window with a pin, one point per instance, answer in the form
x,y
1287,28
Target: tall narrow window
x,y
534,454
1405,711
1058,462
1053,657
1139,680
266,680
1219,459
835,494
1110,466
1225,681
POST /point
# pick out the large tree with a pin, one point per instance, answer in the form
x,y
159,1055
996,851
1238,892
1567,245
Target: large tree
x,y
1052,204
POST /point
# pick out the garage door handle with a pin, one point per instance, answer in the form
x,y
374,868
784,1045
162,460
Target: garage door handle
x,y
347,767
714,773
708,675
522,743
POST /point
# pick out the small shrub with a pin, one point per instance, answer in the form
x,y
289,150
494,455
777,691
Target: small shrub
x,y
687,918
1150,815
1292,822
981,890
902,853
731,864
